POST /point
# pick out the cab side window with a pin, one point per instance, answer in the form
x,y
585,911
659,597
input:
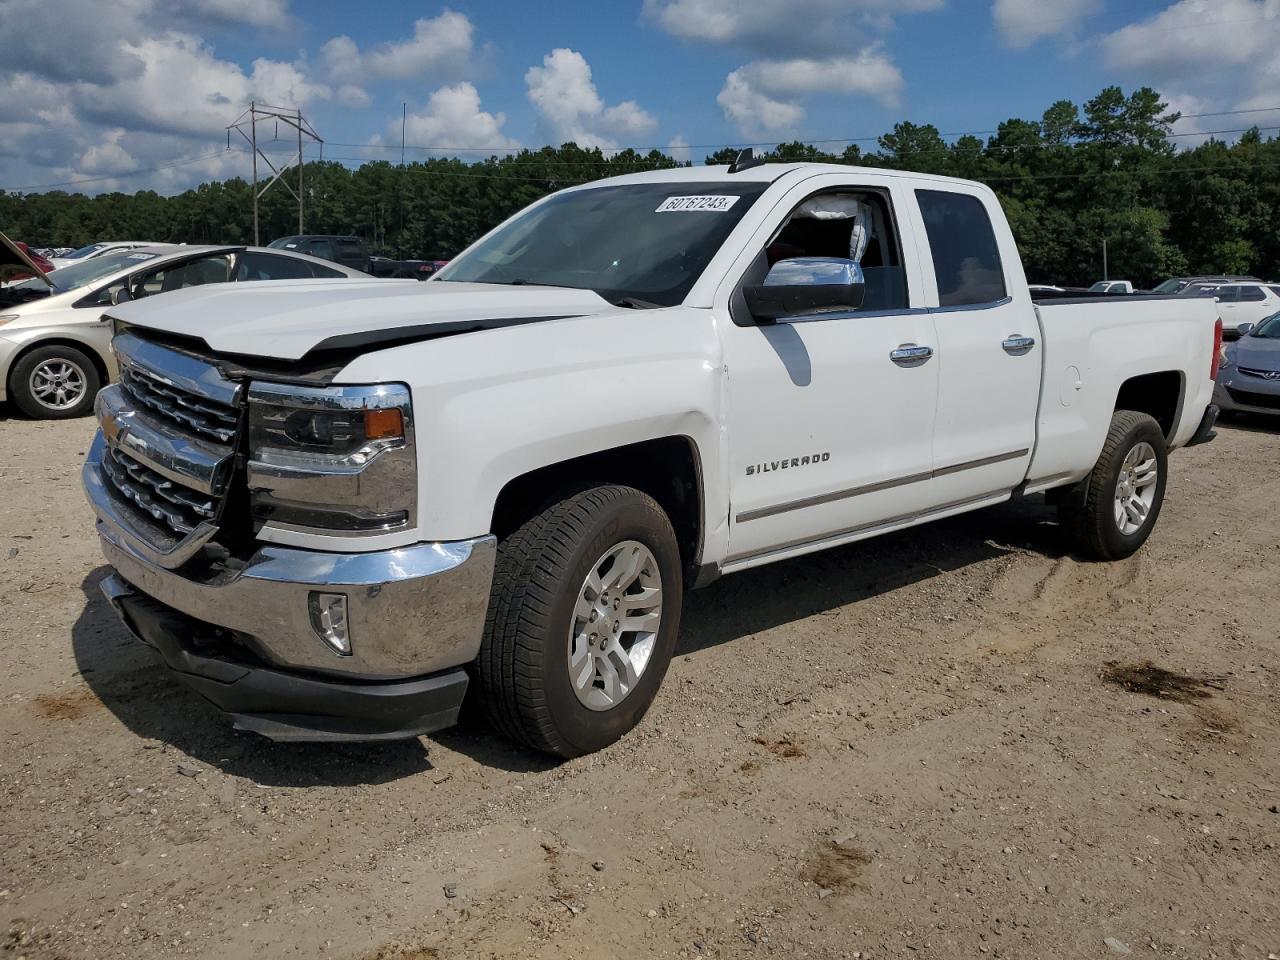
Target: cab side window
x,y
966,260
1251,294
846,223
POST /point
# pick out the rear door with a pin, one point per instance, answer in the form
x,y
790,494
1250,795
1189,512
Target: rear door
x,y
988,346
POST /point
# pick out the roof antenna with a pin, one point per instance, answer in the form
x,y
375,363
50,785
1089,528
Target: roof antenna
x,y
745,160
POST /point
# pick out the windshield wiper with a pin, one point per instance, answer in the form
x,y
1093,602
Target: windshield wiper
x,y
636,303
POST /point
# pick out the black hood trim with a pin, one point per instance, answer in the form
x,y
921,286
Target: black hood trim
x,y
319,365
396,336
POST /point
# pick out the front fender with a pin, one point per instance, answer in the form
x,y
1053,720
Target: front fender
x,y
494,405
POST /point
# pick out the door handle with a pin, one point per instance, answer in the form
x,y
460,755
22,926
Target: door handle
x,y
1017,344
910,354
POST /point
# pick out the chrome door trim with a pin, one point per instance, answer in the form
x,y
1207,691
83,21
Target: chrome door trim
x,y
965,307
867,527
762,512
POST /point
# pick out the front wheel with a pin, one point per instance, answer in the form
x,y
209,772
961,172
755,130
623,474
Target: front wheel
x,y
582,621
56,382
1115,509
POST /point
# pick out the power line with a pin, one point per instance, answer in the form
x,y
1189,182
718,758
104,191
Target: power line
x,y
775,143
614,165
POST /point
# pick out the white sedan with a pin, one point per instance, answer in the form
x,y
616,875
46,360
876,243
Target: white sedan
x,y
54,344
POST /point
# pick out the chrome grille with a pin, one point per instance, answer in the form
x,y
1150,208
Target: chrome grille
x,y
165,458
203,415
178,508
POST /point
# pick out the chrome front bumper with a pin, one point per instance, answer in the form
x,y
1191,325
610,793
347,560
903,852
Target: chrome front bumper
x,y
411,611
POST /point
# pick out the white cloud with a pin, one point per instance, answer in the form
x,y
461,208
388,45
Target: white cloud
x,y
770,26
439,45
108,156
1226,47
1213,33
755,113
1023,22
452,120
184,88
764,96
678,149
570,108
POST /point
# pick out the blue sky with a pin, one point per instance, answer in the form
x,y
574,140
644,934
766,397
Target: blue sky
x,y
102,102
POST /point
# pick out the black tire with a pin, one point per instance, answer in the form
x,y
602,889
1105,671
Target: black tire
x,y
21,394
1087,513
523,666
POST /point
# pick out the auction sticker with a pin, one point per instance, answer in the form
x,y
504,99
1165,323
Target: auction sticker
x,y
712,203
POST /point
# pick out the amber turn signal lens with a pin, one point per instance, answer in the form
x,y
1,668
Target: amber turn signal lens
x,y
383,424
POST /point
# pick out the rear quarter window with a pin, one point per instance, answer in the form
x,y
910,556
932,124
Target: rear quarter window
x,y
966,260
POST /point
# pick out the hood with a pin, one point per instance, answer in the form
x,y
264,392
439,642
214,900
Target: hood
x,y
1257,353
286,320
14,262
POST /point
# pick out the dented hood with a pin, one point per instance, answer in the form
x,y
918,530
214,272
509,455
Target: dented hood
x,y
287,320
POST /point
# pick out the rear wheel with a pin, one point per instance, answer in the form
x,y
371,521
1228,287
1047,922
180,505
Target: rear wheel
x,y
54,383
1115,509
582,621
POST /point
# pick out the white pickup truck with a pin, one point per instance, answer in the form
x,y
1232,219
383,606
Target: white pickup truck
x,y
336,508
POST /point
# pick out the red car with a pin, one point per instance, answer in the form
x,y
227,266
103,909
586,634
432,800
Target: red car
x,y
44,265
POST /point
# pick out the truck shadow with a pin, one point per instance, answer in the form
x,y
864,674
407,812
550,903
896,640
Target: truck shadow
x,y
779,593
127,677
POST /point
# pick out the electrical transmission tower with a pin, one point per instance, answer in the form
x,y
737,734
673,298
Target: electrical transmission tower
x,y
261,113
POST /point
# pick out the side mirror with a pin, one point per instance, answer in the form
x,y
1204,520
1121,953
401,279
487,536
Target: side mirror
x,y
803,286
121,296
1244,329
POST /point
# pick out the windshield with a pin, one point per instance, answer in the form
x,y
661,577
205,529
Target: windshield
x,y
1099,287
643,241
1268,329
1171,286
83,252
87,271
281,242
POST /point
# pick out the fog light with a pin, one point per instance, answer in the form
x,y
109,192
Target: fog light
x,y
329,620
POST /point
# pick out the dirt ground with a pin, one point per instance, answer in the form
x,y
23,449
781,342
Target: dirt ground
x,y
952,742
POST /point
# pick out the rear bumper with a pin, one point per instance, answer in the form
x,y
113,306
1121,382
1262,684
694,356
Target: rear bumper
x,y
1205,432
279,704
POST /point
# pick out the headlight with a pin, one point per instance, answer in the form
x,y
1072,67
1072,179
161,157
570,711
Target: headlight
x,y
336,460
1224,357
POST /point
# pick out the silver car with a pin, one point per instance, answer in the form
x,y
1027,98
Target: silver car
x,y
54,345
1249,375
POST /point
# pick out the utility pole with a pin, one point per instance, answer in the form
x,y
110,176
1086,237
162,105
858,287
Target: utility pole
x,y
250,117
404,116
1105,276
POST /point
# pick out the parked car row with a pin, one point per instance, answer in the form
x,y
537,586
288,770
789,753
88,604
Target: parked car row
x,y
54,344
353,252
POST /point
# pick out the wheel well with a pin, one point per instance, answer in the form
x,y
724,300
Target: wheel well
x,y
98,363
667,469
1157,394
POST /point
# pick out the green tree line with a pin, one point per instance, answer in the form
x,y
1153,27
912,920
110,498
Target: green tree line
x,y
1108,170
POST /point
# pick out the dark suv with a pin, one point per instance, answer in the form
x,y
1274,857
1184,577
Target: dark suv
x,y
348,251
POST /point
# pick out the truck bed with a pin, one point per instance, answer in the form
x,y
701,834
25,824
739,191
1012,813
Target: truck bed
x,y
1092,347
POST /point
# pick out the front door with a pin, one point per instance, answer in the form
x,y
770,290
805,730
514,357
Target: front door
x,y
830,416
